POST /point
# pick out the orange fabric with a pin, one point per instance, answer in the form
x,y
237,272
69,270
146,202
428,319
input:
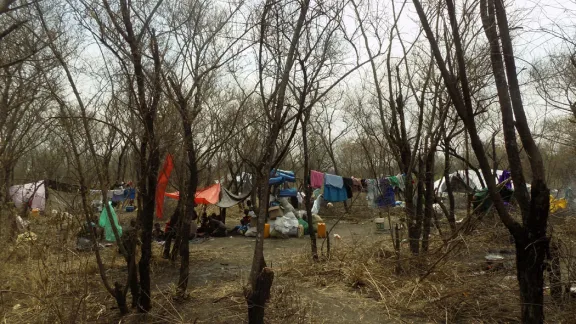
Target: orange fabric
x,y
162,184
206,196
173,195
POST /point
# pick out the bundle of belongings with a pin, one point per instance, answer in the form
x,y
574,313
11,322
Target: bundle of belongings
x,y
285,221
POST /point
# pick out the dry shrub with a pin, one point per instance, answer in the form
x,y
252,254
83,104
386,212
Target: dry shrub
x,y
449,284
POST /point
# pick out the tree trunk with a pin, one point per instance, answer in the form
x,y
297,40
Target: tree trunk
x,y
452,204
147,224
429,199
261,277
121,163
189,213
308,189
415,211
530,273
555,272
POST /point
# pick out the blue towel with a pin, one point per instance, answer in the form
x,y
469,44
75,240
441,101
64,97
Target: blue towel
x,y
333,194
334,181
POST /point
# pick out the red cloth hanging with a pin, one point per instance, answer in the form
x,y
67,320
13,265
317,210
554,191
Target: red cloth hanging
x,y
162,184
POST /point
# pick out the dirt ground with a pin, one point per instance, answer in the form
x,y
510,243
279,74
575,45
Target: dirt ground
x,y
224,262
362,280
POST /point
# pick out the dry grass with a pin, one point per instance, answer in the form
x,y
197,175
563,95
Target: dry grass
x,y
47,282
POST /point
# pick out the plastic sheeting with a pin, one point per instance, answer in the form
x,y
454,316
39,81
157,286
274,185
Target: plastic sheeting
x,y
33,194
206,196
281,176
458,179
228,199
105,223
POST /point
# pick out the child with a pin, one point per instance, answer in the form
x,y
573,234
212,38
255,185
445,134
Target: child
x,y
244,223
157,233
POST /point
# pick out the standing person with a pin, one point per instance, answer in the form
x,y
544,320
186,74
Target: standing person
x,y
171,230
157,233
130,241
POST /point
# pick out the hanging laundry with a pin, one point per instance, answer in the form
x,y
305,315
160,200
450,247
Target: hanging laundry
x,y
316,179
394,182
316,205
371,192
334,190
348,187
333,194
505,176
333,180
356,184
386,196
401,182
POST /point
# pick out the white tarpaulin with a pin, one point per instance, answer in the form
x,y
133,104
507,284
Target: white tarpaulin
x,y
30,193
458,180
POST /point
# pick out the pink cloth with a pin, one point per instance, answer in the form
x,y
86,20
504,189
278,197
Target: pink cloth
x,y
316,179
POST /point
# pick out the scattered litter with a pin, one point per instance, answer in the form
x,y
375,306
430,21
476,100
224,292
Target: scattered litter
x,y
494,257
26,237
337,236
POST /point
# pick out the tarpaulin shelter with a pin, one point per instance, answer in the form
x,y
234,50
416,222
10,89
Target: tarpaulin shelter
x,y
460,181
33,194
208,196
228,199
214,195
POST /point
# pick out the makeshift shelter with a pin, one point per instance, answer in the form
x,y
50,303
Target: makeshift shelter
x,y
481,201
214,195
33,194
461,183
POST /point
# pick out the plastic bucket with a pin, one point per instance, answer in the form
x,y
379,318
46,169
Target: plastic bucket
x,y
380,224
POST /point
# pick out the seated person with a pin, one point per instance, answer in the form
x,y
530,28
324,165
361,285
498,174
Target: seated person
x,y
244,223
157,233
204,226
193,230
217,228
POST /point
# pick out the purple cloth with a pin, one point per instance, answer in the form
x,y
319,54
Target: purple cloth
x,y
505,176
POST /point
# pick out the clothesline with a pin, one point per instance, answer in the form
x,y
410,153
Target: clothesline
x,y
380,192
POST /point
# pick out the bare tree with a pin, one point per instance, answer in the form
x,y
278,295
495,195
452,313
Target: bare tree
x,y
270,52
530,236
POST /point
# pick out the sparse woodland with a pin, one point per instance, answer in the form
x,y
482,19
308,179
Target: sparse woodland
x,y
93,92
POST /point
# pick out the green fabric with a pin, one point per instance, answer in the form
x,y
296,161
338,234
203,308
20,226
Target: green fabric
x,y
482,199
394,181
105,223
304,224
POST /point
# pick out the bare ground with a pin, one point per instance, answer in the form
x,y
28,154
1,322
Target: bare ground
x,y
48,282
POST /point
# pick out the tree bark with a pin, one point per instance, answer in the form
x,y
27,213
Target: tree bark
x,y
452,204
261,277
307,188
429,198
189,214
